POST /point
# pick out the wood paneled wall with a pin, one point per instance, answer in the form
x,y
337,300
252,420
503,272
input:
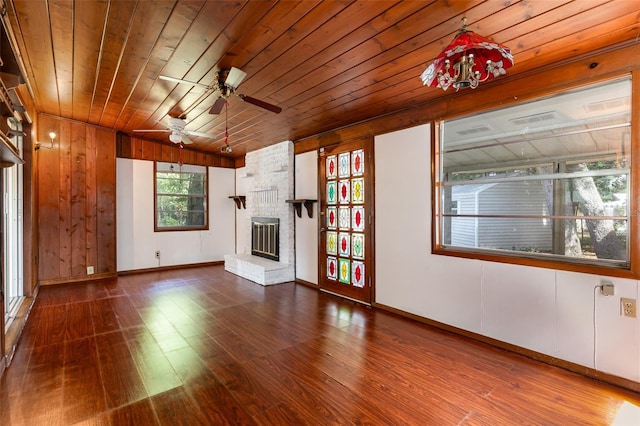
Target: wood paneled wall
x,y
76,201
141,149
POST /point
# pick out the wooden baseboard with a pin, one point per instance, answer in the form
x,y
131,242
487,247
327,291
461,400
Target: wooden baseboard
x,y
78,279
306,283
547,359
170,268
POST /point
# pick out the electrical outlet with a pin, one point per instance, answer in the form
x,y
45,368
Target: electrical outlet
x,y
628,307
157,254
89,270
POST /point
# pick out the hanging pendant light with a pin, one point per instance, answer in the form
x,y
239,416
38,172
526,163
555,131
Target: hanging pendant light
x,y
468,60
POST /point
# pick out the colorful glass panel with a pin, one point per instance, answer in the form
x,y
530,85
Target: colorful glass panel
x,y
344,271
357,218
357,276
332,268
332,167
332,242
344,244
344,220
332,217
357,162
344,191
357,246
357,186
344,164
332,192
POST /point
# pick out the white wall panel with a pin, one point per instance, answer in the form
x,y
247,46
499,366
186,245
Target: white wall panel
x,y
306,178
402,233
574,313
518,305
137,241
243,222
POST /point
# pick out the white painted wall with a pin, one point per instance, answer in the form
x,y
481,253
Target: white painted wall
x,y
137,241
243,219
306,175
553,312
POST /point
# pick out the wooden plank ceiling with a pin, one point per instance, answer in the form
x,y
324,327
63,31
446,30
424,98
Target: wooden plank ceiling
x,y
326,63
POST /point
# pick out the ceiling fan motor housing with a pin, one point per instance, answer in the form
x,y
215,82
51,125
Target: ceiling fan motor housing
x,y
176,124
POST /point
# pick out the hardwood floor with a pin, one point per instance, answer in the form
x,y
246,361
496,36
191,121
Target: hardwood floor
x,y
202,346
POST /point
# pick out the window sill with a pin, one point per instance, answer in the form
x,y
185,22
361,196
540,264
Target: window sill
x,y
621,271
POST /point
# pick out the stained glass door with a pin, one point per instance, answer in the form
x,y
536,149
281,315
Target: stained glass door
x,y
346,220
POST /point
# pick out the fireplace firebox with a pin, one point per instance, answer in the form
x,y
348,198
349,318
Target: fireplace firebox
x,y
265,237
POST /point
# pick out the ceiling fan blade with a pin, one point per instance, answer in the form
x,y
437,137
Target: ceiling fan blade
x,y
234,77
152,131
200,134
186,140
261,104
177,80
217,106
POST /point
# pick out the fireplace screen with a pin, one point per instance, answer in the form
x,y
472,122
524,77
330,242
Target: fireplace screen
x,y
265,238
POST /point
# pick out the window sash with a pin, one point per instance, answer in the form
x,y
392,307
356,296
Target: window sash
x,y
454,175
181,197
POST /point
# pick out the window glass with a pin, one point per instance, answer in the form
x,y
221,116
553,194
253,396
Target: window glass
x,y
181,197
548,178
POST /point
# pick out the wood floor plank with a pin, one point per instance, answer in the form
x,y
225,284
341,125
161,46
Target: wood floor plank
x,y
103,317
255,394
155,370
43,382
51,326
125,312
138,413
83,395
176,407
122,382
312,393
78,323
384,386
280,414
217,403
203,346
187,364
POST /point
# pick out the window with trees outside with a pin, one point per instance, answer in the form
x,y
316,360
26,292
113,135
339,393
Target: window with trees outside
x,y
547,179
180,197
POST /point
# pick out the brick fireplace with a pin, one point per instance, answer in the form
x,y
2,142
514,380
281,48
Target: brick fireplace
x,y
268,183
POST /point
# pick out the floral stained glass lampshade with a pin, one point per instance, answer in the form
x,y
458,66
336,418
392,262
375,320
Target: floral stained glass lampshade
x,y
468,60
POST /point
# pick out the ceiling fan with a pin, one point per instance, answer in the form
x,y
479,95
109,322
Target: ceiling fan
x,y
225,84
177,131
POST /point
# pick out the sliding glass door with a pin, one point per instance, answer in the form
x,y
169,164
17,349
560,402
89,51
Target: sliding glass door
x,y
12,226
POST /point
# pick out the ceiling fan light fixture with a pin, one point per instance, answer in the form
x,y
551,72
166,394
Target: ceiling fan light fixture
x,y
234,77
467,61
175,137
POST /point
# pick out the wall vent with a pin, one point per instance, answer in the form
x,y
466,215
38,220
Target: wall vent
x,y
535,118
609,105
474,130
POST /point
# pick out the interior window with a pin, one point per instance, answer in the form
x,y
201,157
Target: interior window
x,y
545,179
181,197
